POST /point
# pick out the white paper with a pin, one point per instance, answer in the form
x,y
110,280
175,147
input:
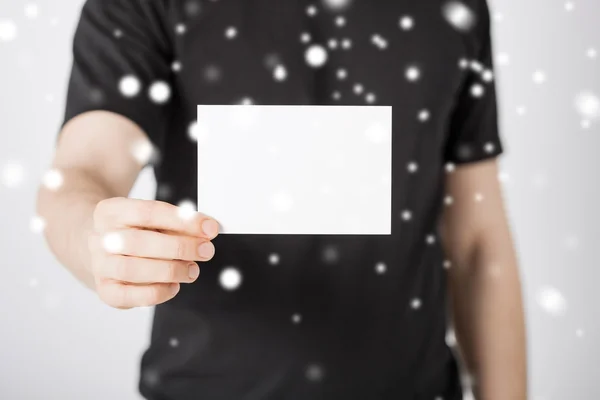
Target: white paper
x,y
296,169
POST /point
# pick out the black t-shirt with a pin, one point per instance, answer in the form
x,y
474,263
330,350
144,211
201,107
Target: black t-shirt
x,y
315,316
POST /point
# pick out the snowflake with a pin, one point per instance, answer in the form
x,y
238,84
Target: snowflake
x,y
280,73
53,179
180,29
552,301
406,215
332,43
412,167
8,30
311,10
379,41
448,200
113,242
159,92
477,90
587,105
314,373
569,6
142,151
337,5
423,115
230,278
346,44
304,37
463,63
415,303
342,74
430,239
37,224
336,95
176,66
406,22
173,342
340,21
12,175
296,318
591,52
380,268
487,75
370,98
412,73
231,32
358,88
129,86
539,77
458,15
187,209
32,11
316,56
274,259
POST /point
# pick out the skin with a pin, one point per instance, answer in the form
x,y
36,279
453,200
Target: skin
x,y
158,250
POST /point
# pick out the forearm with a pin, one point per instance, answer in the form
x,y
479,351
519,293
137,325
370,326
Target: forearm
x,y
488,315
68,213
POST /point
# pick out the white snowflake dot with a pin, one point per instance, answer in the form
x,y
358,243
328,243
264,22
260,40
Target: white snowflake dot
x,y
487,75
53,179
415,303
406,22
489,147
336,95
412,73
342,74
305,37
458,15
32,10
587,105
280,73
12,175
113,242
476,66
311,11
117,33
37,224
447,264
296,318
423,115
463,63
187,209
230,278
8,30
370,98
503,58
430,239
591,52
336,5
129,86
340,21
142,151
380,268
173,342
273,258
552,301
412,167
314,373
358,88
180,29
346,44
406,215
448,200
231,32
159,92
176,66
450,167
478,197
477,90
521,110
569,6
316,56
539,77
580,333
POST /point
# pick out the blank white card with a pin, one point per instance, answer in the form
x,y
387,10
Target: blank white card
x,y
296,169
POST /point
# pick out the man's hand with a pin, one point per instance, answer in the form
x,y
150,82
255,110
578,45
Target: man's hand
x,y
142,250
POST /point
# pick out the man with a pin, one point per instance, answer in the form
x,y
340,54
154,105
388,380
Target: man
x,y
295,317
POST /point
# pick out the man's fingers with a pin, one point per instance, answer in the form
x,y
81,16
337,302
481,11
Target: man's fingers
x,y
120,212
152,244
146,270
126,296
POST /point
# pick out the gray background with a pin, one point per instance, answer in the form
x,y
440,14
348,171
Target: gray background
x,y
58,342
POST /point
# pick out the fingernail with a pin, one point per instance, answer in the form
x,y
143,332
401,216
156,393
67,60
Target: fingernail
x,y
206,250
193,271
210,228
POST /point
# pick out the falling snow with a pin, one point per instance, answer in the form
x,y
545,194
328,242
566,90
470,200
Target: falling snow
x,y
332,44
113,242
406,23
412,73
415,303
412,167
340,21
591,53
279,73
174,342
12,174
423,115
212,73
129,86
180,29
296,318
346,44
569,6
539,77
230,278
430,239
142,151
370,98
331,254
336,5
273,258
8,30
552,301
231,32
406,215
37,224
305,37
187,209
458,15
314,373
379,41
176,66
311,11
342,74
32,11
357,88
117,33
316,56
159,92
380,268
53,179
587,105
477,90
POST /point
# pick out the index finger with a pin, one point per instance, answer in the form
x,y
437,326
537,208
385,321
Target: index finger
x,y
123,212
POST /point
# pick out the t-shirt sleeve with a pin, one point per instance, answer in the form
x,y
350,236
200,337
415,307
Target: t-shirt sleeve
x,y
473,132
121,63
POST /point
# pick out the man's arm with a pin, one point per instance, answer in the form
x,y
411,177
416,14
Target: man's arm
x,y
94,156
484,283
